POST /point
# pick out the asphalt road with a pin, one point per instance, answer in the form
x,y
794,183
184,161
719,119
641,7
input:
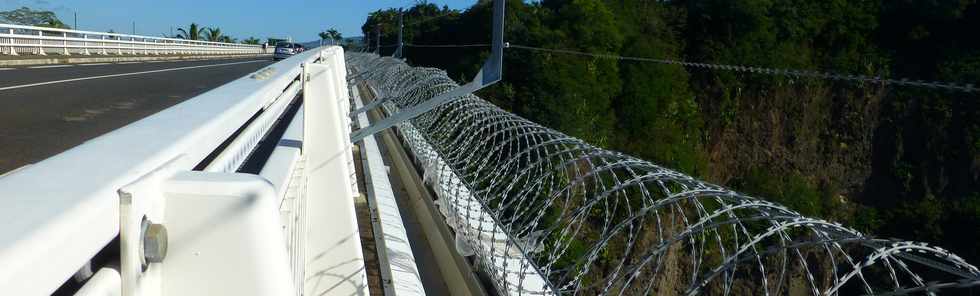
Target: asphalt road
x,y
45,110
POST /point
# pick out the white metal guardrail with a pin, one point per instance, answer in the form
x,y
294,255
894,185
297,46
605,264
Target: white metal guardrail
x,y
289,230
18,40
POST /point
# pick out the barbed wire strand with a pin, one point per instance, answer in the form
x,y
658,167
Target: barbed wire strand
x,y
446,45
425,20
969,88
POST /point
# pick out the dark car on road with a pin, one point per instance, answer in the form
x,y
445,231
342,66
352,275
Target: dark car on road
x,y
286,49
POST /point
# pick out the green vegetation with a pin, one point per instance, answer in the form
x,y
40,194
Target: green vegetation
x,y
895,162
193,32
332,34
251,40
214,34
27,17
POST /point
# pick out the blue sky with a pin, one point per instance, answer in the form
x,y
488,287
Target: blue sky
x,y
299,19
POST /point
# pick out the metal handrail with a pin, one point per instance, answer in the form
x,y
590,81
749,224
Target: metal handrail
x,y
60,212
39,41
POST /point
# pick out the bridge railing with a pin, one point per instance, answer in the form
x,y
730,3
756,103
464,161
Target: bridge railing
x,y
21,40
267,231
546,213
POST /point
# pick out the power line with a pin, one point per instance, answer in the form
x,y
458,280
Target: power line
x,y
450,12
447,45
969,88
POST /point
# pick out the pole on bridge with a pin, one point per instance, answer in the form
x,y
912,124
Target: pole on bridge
x,y
491,73
377,38
401,27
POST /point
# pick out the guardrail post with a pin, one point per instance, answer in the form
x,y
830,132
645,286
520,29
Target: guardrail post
x,y
132,44
12,40
40,43
64,43
85,45
146,47
103,51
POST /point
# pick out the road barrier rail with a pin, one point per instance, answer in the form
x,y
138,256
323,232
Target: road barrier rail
x,y
225,179
30,40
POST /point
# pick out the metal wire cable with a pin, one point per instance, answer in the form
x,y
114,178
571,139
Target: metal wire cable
x,y
446,45
969,88
425,20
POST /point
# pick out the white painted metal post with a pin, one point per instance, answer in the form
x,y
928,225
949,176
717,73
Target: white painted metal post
x,y
132,44
40,43
85,45
103,51
13,51
64,42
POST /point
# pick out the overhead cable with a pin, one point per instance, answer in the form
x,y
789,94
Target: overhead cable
x,y
969,88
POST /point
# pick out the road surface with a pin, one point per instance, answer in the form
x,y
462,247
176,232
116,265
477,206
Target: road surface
x,y
45,110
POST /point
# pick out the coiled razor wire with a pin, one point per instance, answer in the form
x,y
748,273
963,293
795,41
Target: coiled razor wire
x,y
545,213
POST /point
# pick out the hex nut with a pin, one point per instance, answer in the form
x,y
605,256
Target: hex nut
x,y
154,242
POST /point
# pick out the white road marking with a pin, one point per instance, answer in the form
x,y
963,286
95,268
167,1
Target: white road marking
x,y
49,66
5,69
127,63
95,64
126,74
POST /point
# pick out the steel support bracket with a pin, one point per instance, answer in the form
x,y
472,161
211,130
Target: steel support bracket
x,y
201,233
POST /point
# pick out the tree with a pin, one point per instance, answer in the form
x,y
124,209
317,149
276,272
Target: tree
x,y
213,34
251,40
27,17
331,34
193,32
272,41
335,35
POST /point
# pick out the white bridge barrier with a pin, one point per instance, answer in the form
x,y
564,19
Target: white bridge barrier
x,y
18,40
167,188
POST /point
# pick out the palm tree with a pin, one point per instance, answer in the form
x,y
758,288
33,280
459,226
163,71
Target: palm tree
x,y
334,34
251,40
192,32
213,34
